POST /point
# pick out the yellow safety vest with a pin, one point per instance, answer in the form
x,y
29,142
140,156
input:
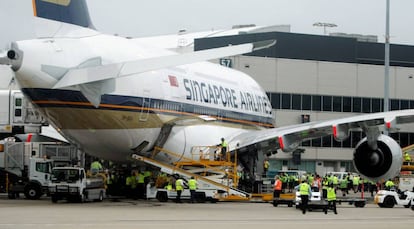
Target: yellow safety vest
x,y
331,194
304,189
178,185
192,184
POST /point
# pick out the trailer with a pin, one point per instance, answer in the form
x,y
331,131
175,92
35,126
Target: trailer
x,y
163,195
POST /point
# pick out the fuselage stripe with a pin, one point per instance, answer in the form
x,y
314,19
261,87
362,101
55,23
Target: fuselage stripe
x,y
155,110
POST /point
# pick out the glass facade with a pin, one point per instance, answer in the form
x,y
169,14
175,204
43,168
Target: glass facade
x,y
307,102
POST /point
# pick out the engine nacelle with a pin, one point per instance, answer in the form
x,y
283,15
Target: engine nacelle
x,y
380,164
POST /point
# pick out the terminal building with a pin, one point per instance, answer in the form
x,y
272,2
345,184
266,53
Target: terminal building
x,y
313,77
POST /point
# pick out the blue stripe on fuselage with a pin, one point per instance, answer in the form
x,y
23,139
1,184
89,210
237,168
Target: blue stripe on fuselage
x,y
69,98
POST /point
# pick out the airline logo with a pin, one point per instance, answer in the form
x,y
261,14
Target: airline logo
x,y
225,96
173,81
58,2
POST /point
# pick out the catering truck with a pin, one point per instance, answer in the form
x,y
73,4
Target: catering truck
x,y
72,184
25,167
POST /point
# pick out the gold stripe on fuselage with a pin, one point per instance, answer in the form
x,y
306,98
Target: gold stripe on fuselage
x,y
142,111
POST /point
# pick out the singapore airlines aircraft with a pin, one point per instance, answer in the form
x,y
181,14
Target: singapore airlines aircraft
x,y
114,96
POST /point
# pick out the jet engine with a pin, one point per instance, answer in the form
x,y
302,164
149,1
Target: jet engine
x,y
381,163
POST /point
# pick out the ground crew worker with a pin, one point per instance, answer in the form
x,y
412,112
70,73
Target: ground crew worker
x,y
277,187
128,183
325,185
140,184
223,145
192,185
343,185
355,183
407,158
331,198
266,165
179,187
389,185
304,191
96,167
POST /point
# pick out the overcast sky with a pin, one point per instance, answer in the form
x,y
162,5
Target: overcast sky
x,y
150,17
154,17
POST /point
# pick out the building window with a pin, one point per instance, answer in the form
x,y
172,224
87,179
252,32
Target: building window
x,y
316,103
275,100
404,104
346,104
337,104
327,103
356,104
296,102
366,105
327,141
376,105
306,102
286,100
395,104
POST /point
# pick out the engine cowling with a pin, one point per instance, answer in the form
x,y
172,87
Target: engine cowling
x,y
380,164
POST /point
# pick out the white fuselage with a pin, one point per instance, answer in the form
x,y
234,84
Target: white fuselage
x,y
202,101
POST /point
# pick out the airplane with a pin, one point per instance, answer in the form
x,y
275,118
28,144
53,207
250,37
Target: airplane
x,y
114,96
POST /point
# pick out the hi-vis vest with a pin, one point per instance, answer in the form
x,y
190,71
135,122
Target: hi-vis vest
x,y
192,184
304,189
278,184
178,185
331,194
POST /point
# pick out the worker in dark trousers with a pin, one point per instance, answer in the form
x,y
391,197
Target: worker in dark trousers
x,y
192,185
179,187
331,198
304,191
277,187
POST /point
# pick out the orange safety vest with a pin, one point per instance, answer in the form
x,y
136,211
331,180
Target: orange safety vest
x,y
278,184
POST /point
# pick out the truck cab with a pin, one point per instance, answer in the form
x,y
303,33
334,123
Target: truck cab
x,y
71,183
37,180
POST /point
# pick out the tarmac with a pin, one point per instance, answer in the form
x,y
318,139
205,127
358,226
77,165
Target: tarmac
x,y
124,213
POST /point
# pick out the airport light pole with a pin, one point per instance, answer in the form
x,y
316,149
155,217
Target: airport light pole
x,y
387,60
324,25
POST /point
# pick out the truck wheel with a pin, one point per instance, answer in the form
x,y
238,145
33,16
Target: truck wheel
x,y
162,196
54,199
101,196
32,192
389,202
200,197
359,204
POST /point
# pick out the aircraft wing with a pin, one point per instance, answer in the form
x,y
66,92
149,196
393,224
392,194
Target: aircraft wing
x,y
99,73
289,138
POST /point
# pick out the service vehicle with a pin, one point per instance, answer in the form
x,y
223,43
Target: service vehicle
x,y
315,197
25,167
390,198
163,195
72,184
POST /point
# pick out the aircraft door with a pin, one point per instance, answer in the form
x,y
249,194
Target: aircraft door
x,y
146,101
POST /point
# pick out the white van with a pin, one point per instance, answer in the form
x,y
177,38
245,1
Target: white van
x,y
342,175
